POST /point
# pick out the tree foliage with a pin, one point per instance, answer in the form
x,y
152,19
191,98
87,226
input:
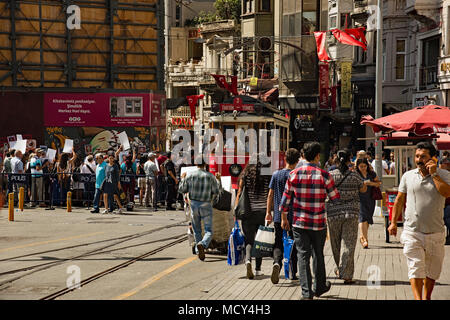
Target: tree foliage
x,y
225,10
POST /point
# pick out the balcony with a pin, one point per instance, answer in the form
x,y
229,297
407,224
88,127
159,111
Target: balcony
x,y
428,78
425,11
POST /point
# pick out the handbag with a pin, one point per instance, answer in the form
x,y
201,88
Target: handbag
x,y
236,246
288,244
243,209
376,193
264,242
222,201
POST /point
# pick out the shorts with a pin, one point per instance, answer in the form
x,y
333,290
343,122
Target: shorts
x,y
141,183
424,253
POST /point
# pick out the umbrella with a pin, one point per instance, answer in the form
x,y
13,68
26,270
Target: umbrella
x,y
420,120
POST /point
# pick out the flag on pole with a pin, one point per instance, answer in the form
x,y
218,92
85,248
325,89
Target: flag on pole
x,y
221,81
345,38
358,34
321,43
193,100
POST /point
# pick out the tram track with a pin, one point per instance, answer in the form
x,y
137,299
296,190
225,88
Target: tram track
x,y
122,265
48,265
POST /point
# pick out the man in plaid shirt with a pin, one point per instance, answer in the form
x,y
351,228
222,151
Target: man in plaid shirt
x,y
308,187
201,186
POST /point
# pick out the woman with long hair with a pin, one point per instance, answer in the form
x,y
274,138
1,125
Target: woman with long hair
x,y
342,217
367,204
257,188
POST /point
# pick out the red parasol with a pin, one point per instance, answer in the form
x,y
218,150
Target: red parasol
x,y
420,120
443,142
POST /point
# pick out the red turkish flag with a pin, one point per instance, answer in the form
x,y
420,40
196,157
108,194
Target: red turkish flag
x,y
321,43
345,38
221,81
358,34
193,100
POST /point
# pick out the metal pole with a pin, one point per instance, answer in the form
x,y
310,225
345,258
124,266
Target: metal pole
x,y
379,87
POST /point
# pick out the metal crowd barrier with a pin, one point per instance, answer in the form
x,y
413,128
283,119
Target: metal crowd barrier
x,y
17,180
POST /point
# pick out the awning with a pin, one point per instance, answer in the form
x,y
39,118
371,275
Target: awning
x,y
270,95
175,103
292,104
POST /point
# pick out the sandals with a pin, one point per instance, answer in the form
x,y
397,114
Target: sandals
x,y
364,242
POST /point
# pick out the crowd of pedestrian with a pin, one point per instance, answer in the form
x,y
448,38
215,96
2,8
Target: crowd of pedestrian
x,y
309,202
97,180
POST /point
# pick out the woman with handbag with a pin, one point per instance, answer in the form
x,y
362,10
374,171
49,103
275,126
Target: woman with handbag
x,y
342,217
254,187
367,199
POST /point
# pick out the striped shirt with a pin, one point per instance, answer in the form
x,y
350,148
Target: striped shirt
x,y
309,187
200,184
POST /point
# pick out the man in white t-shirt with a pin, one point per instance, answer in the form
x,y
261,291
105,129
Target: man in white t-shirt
x,y
384,165
424,190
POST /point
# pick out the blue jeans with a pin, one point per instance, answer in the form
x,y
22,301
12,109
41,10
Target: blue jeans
x,y
309,242
97,195
202,211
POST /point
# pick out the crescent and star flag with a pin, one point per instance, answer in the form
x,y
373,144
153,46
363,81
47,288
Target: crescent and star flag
x,y
358,34
345,38
222,82
193,100
321,42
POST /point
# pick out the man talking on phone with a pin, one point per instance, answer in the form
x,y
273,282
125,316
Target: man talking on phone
x,y
424,190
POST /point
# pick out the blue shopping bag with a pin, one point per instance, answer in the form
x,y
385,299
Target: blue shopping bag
x,y
288,244
236,246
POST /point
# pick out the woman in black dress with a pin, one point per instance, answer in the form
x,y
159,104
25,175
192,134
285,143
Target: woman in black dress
x,y
367,204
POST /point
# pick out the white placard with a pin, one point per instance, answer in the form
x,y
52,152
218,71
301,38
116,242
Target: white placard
x,y
51,154
21,145
19,137
226,183
68,146
188,170
12,144
123,138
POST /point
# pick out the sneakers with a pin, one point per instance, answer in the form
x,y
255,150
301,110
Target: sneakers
x,y
258,273
327,288
250,274
275,273
120,211
105,211
95,211
201,251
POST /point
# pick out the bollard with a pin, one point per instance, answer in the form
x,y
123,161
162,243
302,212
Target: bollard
x,y
69,201
21,198
11,206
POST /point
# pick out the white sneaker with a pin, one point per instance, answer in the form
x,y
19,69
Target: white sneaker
x,y
120,211
258,273
248,266
105,211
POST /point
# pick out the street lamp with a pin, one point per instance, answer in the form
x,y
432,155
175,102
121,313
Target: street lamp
x,y
379,87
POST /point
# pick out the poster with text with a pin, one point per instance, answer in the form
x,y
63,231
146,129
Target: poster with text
x,y
96,109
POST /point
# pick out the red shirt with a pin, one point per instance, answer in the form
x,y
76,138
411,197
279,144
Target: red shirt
x,y
309,187
161,160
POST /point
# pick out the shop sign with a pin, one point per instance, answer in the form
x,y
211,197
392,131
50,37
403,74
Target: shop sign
x,y
237,105
323,87
346,84
182,122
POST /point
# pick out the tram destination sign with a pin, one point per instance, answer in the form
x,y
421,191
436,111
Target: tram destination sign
x,y
237,105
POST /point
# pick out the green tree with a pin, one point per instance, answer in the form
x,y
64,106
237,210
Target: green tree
x,y
228,9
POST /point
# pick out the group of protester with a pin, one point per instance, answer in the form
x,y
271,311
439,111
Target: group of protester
x,y
152,176
308,201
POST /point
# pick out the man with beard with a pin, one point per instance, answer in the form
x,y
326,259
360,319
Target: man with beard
x,y
424,190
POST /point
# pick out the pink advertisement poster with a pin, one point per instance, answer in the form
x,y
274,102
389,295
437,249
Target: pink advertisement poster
x,y
97,109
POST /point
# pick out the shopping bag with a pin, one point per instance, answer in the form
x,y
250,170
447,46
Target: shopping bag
x,y
236,246
264,242
288,244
